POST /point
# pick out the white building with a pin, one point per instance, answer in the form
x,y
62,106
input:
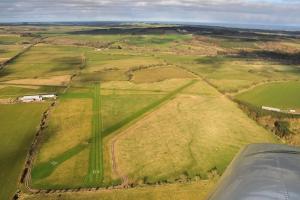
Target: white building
x,y
37,98
27,99
271,109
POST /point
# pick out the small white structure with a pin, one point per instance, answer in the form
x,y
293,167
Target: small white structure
x,y
27,99
37,98
48,96
271,109
292,111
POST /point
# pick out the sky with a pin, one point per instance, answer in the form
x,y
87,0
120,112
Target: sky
x,y
265,12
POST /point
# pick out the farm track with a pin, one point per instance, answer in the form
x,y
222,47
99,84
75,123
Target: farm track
x,y
95,173
147,111
26,174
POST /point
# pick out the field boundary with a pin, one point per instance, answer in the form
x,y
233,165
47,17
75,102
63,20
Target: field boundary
x,y
26,173
250,87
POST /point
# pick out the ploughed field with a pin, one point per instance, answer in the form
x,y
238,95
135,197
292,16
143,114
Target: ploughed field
x,y
135,109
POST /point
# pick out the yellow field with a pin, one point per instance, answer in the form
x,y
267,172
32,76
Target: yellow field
x,y
159,74
167,85
54,80
182,138
64,145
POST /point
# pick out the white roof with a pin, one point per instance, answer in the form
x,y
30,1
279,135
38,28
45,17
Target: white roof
x,y
30,97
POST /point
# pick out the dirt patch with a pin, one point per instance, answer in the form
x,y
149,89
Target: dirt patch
x,y
7,101
54,80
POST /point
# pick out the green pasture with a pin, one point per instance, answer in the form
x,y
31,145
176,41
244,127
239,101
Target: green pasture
x,y
230,74
14,91
18,125
285,95
44,61
9,39
95,172
118,106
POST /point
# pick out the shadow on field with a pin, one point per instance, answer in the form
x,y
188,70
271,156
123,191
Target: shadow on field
x,y
4,72
65,63
274,56
45,169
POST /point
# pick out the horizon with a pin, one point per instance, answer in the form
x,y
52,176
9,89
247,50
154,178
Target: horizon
x,y
268,27
265,12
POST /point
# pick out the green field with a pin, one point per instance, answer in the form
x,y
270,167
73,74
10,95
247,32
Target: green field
x,y
44,61
283,95
14,91
18,126
230,74
61,161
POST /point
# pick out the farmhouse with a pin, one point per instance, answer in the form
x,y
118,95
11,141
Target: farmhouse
x,y
27,99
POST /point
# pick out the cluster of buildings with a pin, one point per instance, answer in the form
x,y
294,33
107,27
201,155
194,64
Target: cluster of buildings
x,y
36,98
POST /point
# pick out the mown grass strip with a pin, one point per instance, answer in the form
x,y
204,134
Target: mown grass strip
x,y
151,106
95,173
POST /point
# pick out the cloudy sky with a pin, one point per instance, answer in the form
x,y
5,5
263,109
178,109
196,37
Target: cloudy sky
x,y
269,12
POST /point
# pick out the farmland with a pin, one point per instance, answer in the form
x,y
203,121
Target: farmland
x,y
279,95
143,111
19,124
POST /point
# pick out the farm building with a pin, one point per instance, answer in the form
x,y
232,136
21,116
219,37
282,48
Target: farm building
x,y
37,98
30,98
271,109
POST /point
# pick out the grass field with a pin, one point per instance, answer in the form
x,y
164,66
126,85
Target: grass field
x,y
18,126
64,148
95,173
15,91
157,74
192,143
283,95
230,74
117,106
44,61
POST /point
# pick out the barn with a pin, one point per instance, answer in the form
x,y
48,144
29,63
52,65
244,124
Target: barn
x,y
27,99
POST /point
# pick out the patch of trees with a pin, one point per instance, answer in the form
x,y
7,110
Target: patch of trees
x,y
281,128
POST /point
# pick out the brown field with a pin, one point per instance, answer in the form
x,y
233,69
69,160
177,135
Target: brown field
x,y
166,85
159,74
54,81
